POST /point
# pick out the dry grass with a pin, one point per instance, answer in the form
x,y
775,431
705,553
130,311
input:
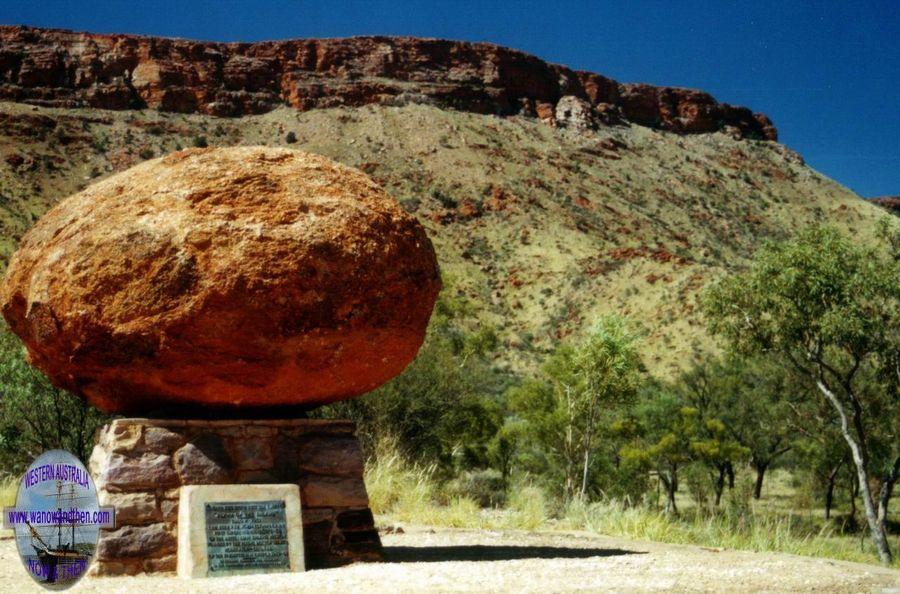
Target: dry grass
x,y
406,493
746,531
9,487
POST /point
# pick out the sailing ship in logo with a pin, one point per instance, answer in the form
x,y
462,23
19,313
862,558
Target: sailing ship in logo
x,y
69,558
57,519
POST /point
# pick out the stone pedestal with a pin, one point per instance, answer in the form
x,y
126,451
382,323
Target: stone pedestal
x,y
140,464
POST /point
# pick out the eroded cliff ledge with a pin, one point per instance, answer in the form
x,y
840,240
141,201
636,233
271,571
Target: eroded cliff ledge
x,y
59,68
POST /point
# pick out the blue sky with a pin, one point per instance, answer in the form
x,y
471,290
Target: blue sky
x,y
826,72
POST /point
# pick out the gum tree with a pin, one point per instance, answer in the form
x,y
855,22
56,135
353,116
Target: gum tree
x,y
607,367
828,306
661,440
582,387
665,435
750,396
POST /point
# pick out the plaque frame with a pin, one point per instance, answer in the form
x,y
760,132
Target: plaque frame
x,y
193,556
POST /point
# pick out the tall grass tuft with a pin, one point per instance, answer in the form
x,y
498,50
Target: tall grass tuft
x,y
9,487
528,509
397,487
401,491
745,530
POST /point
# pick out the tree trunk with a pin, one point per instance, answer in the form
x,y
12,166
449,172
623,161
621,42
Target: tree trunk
x,y
571,454
588,442
729,468
671,507
877,529
829,491
720,484
887,489
584,474
570,483
671,485
760,475
854,492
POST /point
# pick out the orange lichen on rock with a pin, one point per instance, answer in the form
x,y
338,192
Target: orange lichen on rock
x,y
240,277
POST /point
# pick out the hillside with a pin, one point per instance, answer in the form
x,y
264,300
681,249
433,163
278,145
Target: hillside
x,y
542,226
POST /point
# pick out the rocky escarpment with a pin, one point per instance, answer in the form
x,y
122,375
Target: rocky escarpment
x,y
68,69
889,203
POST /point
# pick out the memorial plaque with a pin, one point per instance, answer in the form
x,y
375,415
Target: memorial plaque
x,y
246,535
239,529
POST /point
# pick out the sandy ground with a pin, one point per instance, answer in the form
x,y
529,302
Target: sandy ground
x,y
461,560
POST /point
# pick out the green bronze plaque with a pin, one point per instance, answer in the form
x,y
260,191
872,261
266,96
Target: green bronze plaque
x,y
242,535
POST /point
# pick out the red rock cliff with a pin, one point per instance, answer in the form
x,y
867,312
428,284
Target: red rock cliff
x,y
67,69
889,203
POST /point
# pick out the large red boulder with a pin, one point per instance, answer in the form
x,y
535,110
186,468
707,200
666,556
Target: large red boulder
x,y
240,277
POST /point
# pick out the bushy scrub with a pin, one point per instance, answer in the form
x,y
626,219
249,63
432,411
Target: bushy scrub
x,y
35,416
592,442
485,487
528,508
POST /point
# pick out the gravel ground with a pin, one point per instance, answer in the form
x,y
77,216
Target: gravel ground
x,y
463,560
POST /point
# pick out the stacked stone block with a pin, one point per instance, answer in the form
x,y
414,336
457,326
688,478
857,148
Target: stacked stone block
x,y
140,464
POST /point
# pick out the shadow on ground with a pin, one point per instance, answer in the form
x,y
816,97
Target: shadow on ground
x,y
494,553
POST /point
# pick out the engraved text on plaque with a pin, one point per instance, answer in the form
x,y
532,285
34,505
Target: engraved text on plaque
x,y
244,535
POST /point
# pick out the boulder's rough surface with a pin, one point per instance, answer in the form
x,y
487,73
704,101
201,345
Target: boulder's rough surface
x,y
235,277
68,69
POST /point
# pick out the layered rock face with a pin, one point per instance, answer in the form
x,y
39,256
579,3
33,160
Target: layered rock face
x,y
240,277
68,69
889,203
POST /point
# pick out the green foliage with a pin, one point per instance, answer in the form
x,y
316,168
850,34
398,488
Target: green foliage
x,y
572,408
290,137
445,200
100,143
199,142
404,492
485,487
820,295
504,446
750,397
831,308
34,415
443,408
667,436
